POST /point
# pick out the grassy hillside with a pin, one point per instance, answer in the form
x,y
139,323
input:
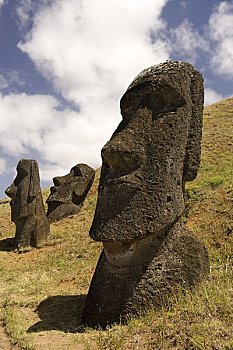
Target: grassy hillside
x,y
42,291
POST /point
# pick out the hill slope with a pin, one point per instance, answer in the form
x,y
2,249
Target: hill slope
x,y
42,291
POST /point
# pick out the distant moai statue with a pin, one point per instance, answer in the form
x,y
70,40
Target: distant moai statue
x,y
27,208
69,192
148,253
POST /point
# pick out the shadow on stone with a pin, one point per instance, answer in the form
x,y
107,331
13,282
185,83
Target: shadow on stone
x,y
62,313
7,244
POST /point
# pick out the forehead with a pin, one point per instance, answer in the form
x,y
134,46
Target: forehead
x,y
168,69
162,88
172,77
23,168
161,96
162,84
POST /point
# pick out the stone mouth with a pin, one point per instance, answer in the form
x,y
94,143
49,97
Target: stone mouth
x,y
133,180
136,252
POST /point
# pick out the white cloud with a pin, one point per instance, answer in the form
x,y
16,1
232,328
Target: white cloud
x,y
23,121
2,2
2,166
211,96
10,79
3,82
26,9
186,40
90,50
94,48
24,12
221,31
62,138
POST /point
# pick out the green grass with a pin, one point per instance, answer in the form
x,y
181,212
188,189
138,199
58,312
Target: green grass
x,y
42,291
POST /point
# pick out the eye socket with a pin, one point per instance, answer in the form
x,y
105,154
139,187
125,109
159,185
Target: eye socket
x,y
76,171
21,174
159,98
162,101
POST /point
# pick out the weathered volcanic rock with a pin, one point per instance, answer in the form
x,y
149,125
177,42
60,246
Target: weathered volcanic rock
x,y
27,209
69,192
147,251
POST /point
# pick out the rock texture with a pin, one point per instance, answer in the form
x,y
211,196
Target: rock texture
x,y
148,253
27,209
69,192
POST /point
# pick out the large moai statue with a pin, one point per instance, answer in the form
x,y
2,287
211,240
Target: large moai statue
x,y
27,208
148,253
69,192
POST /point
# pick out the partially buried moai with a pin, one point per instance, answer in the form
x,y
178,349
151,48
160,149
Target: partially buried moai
x,y
27,208
148,253
69,192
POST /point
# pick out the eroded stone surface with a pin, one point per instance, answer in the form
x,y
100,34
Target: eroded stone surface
x,y
148,252
27,209
69,192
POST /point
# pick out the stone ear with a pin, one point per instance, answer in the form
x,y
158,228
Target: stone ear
x,y
193,147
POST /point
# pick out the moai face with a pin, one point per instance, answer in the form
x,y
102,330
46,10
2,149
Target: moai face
x,y
64,186
27,209
23,189
155,149
61,192
69,191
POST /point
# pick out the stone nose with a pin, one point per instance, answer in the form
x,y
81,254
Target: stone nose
x,y
11,191
122,155
59,180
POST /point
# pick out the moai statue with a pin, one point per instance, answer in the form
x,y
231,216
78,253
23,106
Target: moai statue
x,y
148,253
27,208
69,192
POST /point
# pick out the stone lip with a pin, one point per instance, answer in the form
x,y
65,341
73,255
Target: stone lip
x,y
63,210
69,192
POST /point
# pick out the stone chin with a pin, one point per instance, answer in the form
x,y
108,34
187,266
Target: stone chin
x,y
137,252
131,215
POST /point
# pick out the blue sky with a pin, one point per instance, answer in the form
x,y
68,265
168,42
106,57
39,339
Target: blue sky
x,y
64,65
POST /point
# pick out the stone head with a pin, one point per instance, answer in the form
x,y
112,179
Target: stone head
x,y
70,188
24,189
153,152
